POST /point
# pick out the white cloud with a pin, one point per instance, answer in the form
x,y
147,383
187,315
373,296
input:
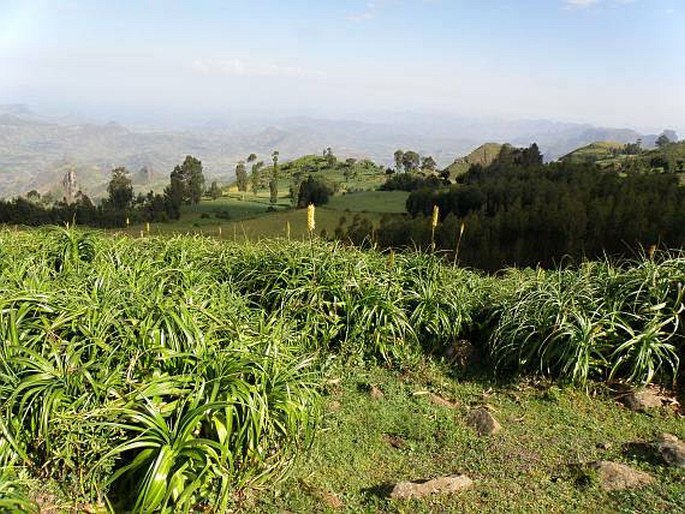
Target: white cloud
x,y
582,4
367,14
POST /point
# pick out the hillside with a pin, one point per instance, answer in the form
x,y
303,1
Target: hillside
x,y
483,155
668,158
35,149
594,152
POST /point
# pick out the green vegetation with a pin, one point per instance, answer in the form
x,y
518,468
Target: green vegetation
x,y
519,211
384,202
668,157
161,374
595,152
347,175
366,445
484,155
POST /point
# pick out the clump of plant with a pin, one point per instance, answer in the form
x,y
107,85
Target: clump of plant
x,y
599,321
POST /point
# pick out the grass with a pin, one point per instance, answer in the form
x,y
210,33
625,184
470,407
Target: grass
x,y
370,201
530,466
160,374
254,217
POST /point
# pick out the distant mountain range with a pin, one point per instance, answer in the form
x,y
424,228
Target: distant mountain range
x,y
35,150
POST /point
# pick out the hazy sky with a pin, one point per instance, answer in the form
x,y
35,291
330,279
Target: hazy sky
x,y
617,62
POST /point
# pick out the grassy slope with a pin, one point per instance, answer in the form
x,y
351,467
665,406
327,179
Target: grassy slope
x,y
483,155
599,151
370,201
601,154
527,467
250,217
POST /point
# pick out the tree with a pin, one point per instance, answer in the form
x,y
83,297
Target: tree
x,y
120,189
251,158
273,190
188,180
410,161
196,179
174,193
528,157
633,148
313,191
399,158
33,196
274,158
256,176
214,191
331,159
428,165
662,140
241,175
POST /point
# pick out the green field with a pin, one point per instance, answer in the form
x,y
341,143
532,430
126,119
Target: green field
x,y
237,217
370,201
166,374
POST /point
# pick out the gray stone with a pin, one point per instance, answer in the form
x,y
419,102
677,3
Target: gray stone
x,y
483,421
671,449
641,400
442,485
616,477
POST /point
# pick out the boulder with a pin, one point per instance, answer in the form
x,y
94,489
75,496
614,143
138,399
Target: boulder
x,y
483,421
616,477
671,449
642,400
442,485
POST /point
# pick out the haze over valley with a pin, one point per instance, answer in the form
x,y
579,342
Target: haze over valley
x,y
36,150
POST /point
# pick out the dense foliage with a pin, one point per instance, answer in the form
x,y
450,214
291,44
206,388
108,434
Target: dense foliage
x,y
174,372
313,191
518,211
186,186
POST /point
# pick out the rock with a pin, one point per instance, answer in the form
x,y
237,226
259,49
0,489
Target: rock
x,y
448,484
326,496
642,400
671,449
394,441
483,421
376,393
462,354
442,402
332,500
615,477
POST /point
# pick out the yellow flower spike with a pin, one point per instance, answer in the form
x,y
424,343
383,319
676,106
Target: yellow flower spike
x,y
311,217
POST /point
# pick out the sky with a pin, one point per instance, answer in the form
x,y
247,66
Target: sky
x,y
610,62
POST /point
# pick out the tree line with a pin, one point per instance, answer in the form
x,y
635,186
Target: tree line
x,y
186,186
519,211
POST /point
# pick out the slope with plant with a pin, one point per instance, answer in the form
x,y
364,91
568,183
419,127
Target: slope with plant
x,y
159,374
